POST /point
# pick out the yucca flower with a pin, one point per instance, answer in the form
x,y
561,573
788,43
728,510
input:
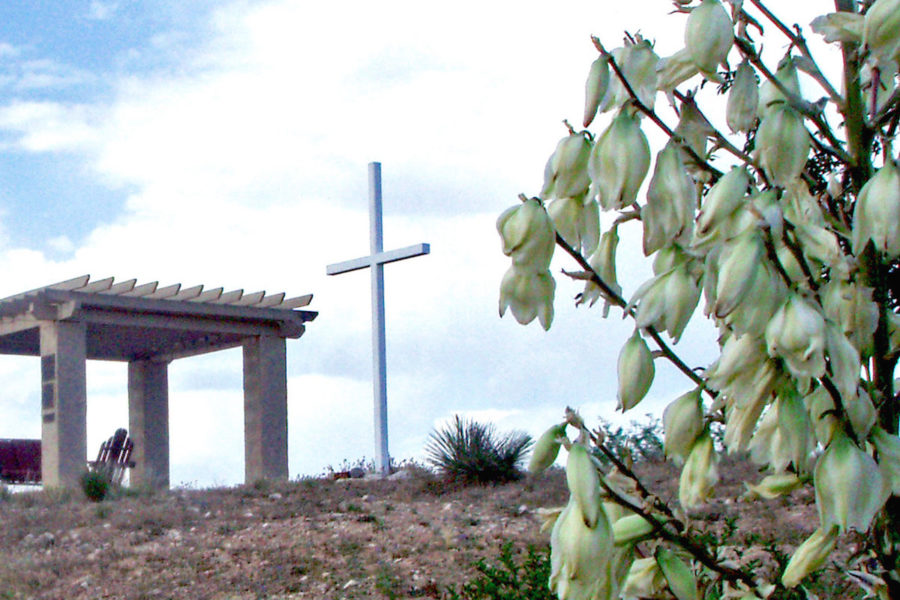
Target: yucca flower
x,y
877,213
635,370
682,424
881,30
809,556
528,295
850,487
528,236
699,474
742,106
708,36
797,334
619,162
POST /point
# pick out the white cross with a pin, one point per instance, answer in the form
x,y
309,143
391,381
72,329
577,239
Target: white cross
x,y
376,262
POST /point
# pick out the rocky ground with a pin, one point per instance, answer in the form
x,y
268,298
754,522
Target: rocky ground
x,y
316,538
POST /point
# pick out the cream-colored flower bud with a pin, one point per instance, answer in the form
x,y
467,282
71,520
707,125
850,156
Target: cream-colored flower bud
x,y
667,301
682,424
644,580
579,555
783,144
850,487
619,162
694,130
635,370
678,575
631,529
546,449
568,219
528,236
796,435
584,484
637,62
861,413
881,30
877,213
740,355
745,404
674,70
887,446
739,261
850,305
595,88
528,295
839,27
797,334
820,406
566,174
668,215
809,556
708,36
774,486
743,99
769,95
723,199
818,243
603,261
845,363
699,474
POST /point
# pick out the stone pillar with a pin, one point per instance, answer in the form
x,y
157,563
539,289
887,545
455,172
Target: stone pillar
x,y
148,422
63,403
265,409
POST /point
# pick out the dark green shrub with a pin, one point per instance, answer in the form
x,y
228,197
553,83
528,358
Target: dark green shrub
x,y
95,486
472,452
638,441
512,577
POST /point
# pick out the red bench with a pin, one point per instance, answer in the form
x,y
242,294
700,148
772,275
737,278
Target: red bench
x,y
20,461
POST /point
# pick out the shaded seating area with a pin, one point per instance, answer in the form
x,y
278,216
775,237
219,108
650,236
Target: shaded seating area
x,y
20,460
147,326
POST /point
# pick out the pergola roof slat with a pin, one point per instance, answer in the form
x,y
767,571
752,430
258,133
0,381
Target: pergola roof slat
x,y
208,295
71,284
298,302
230,297
271,301
122,287
250,299
188,293
165,292
100,285
143,290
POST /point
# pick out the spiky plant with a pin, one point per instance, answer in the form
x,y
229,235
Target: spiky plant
x,y
471,452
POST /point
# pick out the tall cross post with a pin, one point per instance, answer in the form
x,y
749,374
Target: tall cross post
x,y
376,261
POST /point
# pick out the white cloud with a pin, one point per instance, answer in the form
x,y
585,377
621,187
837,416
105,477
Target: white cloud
x,y
102,11
246,167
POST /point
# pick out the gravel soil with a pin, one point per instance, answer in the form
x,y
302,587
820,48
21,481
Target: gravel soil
x,y
315,538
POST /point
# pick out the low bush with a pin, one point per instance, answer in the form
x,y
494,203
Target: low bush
x,y
95,485
472,452
514,576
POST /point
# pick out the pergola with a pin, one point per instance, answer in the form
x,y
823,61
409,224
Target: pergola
x,y
149,326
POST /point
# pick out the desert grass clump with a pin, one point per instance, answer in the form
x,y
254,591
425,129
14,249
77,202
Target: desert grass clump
x,y
95,485
474,453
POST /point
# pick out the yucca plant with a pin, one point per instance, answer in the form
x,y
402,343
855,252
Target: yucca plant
x,y
472,452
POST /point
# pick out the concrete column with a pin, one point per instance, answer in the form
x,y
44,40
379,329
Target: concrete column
x,y
63,403
265,409
148,422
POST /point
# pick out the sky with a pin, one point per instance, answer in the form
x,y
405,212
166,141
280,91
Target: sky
x,y
226,144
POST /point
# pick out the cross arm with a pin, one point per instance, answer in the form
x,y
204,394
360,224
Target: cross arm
x,y
377,259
